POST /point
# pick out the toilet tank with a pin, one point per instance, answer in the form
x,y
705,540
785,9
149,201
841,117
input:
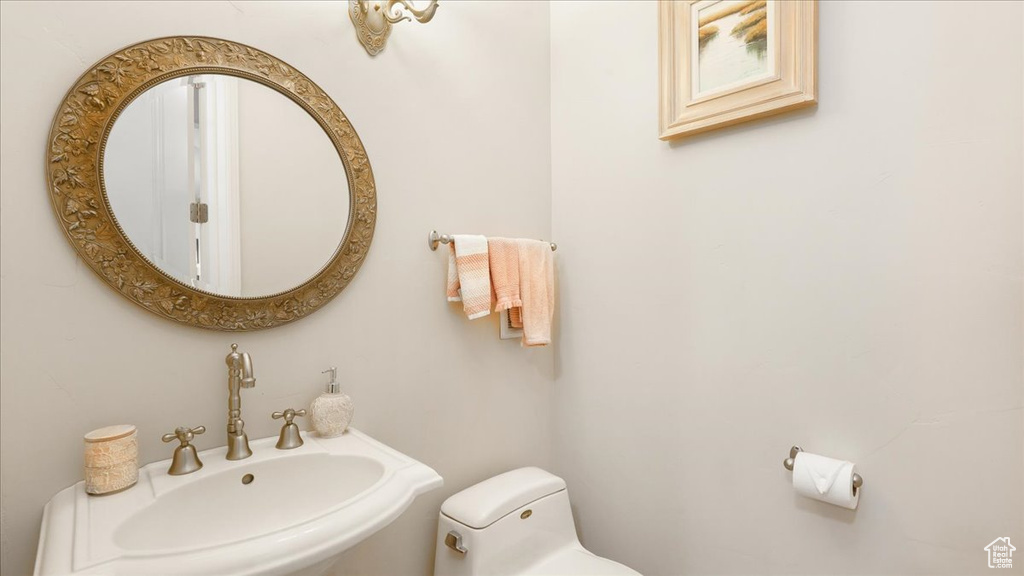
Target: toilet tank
x,y
506,524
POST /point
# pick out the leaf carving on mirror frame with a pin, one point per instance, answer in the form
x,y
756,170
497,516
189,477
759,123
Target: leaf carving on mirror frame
x,y
147,59
68,120
141,286
72,207
92,249
235,56
117,70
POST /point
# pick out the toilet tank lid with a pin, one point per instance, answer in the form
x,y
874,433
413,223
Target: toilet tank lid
x,y
485,503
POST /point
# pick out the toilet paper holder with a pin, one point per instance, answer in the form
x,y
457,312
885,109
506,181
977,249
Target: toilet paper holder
x,y
788,464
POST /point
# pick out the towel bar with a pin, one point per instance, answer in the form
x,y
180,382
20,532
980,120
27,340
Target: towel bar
x,y
434,238
788,465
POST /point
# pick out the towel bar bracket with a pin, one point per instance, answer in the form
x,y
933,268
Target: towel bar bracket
x,y
434,238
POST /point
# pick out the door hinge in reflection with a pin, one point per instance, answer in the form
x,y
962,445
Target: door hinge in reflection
x,y
199,212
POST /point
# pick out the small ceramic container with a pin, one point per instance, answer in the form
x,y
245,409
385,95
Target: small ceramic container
x,y
111,459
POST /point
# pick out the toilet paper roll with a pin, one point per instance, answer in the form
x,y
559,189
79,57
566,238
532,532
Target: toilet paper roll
x,y
825,479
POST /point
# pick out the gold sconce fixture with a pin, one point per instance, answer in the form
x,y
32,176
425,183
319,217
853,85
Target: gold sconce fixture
x,y
373,19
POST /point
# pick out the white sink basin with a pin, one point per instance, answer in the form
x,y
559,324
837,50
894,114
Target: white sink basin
x,y
283,492
276,512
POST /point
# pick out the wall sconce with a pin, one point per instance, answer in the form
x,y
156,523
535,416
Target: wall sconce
x,y
373,19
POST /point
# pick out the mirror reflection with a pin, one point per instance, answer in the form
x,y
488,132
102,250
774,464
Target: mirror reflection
x,y
226,185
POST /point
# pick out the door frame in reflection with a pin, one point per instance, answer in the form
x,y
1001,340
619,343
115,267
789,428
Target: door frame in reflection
x,y
215,245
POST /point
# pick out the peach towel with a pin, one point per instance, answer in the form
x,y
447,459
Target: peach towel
x,y
469,278
537,288
503,255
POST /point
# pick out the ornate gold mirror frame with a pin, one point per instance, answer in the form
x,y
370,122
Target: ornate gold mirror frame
x,y
74,161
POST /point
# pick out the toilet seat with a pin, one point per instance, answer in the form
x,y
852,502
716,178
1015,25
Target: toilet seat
x,y
578,562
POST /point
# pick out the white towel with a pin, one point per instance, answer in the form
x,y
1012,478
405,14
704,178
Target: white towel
x,y
454,294
471,279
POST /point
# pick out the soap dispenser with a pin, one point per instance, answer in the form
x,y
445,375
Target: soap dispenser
x,y
331,412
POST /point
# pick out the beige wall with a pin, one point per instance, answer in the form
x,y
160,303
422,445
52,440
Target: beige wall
x,y
846,278
76,356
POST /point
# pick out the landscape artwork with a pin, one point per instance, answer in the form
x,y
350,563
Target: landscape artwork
x,y
723,62
733,43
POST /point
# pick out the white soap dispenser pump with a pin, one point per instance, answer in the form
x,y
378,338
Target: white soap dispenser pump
x,y
331,412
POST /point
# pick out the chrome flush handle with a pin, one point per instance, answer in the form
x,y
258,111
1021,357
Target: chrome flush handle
x,y
453,540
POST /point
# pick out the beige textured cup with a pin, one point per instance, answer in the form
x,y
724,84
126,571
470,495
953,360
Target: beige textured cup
x,y
111,459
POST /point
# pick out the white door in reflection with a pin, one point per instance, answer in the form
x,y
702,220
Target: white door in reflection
x,y
141,157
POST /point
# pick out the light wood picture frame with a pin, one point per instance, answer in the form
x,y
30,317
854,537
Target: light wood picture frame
x,y
722,62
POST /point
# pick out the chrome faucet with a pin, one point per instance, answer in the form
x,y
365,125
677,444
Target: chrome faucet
x,y
239,376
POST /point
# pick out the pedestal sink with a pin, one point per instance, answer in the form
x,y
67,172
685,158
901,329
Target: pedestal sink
x,y
276,512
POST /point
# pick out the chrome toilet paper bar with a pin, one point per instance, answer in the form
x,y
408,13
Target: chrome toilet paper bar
x,y
788,464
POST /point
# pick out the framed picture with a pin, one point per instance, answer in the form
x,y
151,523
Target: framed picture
x,y
728,61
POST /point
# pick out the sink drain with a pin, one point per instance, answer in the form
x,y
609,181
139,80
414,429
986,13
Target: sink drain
x,y
247,479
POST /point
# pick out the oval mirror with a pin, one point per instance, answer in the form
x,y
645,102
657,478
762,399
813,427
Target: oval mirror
x,y
226,185
211,183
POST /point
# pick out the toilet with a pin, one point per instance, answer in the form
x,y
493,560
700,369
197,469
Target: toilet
x,y
515,524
